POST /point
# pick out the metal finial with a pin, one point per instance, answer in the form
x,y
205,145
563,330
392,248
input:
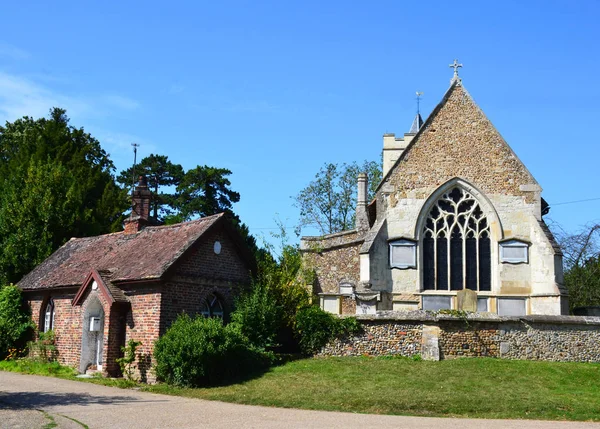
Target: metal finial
x,y
135,146
419,94
455,66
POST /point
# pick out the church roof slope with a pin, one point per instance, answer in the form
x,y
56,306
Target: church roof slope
x,y
146,255
458,140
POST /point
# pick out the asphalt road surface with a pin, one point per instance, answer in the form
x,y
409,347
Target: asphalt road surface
x,y
28,401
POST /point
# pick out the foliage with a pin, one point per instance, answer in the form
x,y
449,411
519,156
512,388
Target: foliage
x,y
329,201
581,258
205,191
258,316
126,362
201,351
16,325
55,183
160,172
44,348
315,328
281,272
583,283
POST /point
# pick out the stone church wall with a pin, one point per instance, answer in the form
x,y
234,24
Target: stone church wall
x,y
434,337
334,258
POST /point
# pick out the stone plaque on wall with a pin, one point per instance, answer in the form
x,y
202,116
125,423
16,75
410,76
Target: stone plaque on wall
x,y
366,307
466,300
436,303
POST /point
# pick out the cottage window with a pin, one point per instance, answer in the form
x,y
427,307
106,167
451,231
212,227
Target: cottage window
x,y
514,252
49,316
456,244
212,307
403,254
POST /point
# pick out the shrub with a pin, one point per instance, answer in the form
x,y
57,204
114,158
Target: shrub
x,y
16,326
258,316
315,328
44,349
126,362
200,351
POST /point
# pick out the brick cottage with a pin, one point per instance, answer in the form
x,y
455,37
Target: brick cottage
x,y
96,293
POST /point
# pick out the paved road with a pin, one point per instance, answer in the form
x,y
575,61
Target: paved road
x,y
30,402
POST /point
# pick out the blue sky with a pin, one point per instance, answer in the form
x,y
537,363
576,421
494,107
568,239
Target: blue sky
x,y
273,90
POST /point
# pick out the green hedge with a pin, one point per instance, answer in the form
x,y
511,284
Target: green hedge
x,y
200,352
315,328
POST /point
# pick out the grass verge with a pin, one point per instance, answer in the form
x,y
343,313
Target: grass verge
x,y
475,388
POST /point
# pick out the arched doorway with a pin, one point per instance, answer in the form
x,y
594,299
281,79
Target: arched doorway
x,y
92,338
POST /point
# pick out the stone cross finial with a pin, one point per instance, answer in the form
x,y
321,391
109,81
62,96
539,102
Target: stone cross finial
x,y
456,66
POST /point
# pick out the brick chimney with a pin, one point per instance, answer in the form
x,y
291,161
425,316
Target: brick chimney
x,y
140,207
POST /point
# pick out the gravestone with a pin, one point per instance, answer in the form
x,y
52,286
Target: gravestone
x,y
466,300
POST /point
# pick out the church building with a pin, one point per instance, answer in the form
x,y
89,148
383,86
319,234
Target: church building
x,y
456,223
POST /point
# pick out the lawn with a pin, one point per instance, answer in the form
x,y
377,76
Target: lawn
x,y
479,388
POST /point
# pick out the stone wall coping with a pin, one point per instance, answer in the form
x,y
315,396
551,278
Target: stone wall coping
x,y
430,316
331,241
326,236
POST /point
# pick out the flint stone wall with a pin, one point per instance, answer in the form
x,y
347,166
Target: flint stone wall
x,y
549,338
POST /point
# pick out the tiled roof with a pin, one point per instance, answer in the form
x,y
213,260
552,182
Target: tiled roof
x,y
145,255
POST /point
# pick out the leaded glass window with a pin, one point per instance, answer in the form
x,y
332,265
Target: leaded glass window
x,y
212,307
456,244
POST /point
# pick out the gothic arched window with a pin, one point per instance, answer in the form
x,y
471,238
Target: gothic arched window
x,y
49,316
212,307
456,244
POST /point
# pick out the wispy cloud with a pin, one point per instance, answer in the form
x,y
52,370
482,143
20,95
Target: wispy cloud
x,y
12,52
20,96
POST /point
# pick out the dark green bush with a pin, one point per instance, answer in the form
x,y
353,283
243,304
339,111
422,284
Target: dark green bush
x,y
16,326
200,351
315,328
258,316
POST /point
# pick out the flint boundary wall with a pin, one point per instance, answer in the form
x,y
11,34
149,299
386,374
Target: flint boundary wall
x,y
445,336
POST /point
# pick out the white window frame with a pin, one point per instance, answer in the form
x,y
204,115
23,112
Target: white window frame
x,y
49,313
514,244
403,242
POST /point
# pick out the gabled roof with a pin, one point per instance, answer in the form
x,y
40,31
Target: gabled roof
x,y
420,135
146,255
102,278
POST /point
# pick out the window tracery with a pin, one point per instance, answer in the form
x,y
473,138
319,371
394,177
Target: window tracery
x,y
456,244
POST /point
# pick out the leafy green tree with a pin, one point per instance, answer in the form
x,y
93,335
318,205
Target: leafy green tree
x,y
205,191
328,203
581,258
56,182
160,173
16,326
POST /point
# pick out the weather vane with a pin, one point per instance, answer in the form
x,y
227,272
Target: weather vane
x,y
135,146
419,94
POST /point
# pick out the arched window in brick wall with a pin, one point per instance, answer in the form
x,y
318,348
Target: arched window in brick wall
x,y
49,316
456,244
213,307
